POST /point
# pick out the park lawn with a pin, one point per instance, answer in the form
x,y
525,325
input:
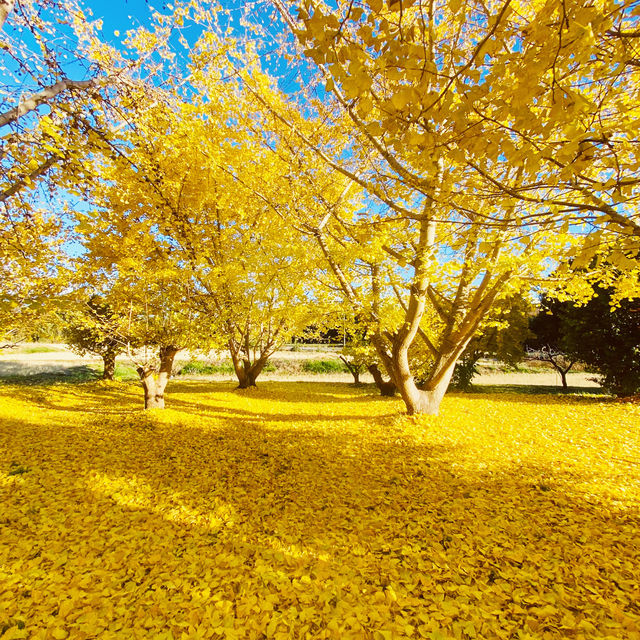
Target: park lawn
x,y
305,510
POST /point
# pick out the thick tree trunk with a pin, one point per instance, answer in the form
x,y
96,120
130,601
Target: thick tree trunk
x,y
245,379
154,383
386,388
152,400
109,368
426,400
248,372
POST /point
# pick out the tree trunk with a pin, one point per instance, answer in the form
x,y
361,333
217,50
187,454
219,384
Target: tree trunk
x,y
562,370
245,379
152,399
386,388
248,372
426,400
354,370
563,377
155,384
109,368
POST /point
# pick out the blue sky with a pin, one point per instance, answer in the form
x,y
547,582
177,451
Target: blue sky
x,y
120,15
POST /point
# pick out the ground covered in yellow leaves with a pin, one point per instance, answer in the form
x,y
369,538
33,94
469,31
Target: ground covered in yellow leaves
x,y
302,510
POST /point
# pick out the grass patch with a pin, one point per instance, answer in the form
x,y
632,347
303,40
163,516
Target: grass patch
x,y
72,375
197,367
324,366
124,372
39,349
316,510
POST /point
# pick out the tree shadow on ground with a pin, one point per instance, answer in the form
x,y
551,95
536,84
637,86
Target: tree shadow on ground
x,y
537,389
128,396
536,394
84,396
68,375
306,391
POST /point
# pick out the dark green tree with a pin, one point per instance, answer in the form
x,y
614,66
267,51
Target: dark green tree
x,y
503,338
547,341
604,337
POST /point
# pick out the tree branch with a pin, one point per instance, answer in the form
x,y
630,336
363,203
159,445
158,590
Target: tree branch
x,y
23,182
42,97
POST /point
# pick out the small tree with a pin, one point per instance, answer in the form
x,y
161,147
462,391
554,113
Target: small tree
x,y
355,361
546,343
94,331
604,337
560,361
149,297
359,354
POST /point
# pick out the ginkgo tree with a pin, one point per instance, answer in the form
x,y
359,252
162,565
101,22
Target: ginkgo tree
x,y
149,300
438,155
31,267
251,266
57,95
90,328
187,176
62,88
466,122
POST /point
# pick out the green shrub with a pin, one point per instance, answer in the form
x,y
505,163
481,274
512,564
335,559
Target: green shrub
x,y
324,366
200,368
125,372
197,367
463,373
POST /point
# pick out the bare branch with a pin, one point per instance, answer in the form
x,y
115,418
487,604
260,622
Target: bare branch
x,y
42,97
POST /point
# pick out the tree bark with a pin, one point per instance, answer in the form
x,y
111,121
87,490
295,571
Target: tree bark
x,y
247,372
154,383
386,387
426,400
149,385
563,377
109,368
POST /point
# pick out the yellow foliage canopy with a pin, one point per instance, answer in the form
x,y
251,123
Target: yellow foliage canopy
x,y
275,512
